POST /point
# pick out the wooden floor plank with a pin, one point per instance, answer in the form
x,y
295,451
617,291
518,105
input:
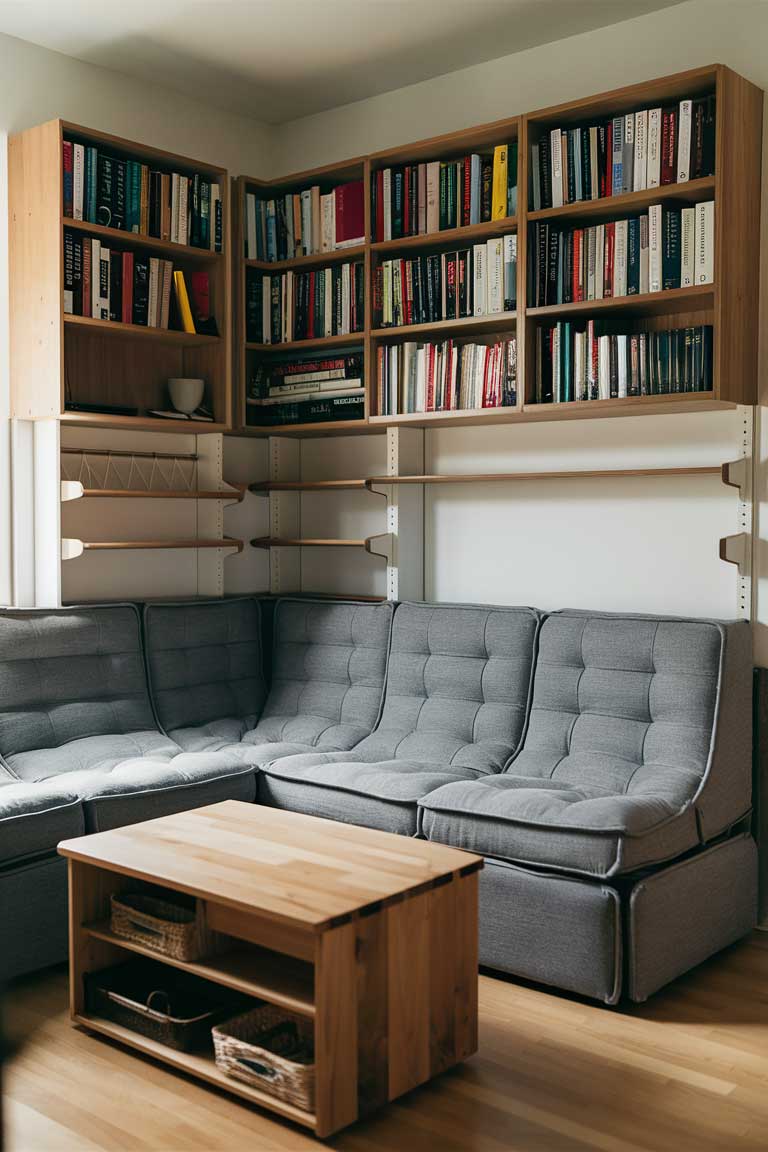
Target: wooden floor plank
x,y
687,1072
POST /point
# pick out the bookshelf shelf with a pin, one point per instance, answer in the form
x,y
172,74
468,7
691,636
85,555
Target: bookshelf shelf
x,y
466,326
315,260
319,342
674,300
264,487
615,207
123,239
59,358
460,237
308,542
320,428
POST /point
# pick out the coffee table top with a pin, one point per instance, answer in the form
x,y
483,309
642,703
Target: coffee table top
x,y
290,868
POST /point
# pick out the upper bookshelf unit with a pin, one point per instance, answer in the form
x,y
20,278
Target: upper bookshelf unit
x,y
118,281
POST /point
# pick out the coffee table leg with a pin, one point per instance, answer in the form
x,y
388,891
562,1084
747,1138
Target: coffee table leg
x,y
335,1029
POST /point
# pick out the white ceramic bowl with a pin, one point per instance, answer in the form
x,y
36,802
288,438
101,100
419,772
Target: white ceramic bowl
x,y
186,393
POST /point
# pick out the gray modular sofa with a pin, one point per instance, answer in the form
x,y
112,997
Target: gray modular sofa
x,y
600,763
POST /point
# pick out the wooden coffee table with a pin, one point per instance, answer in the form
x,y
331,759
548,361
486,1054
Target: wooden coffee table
x,y
372,936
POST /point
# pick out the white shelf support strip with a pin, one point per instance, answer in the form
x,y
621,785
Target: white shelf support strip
x,y
739,547
405,515
284,515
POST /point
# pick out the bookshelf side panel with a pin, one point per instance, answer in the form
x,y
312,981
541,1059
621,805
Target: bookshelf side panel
x,y
35,267
737,236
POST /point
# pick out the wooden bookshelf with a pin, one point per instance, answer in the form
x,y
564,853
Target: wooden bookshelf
x,y
57,358
729,303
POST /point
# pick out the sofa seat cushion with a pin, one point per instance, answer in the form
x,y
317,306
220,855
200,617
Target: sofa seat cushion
x,y
205,665
144,788
35,817
560,824
342,786
91,754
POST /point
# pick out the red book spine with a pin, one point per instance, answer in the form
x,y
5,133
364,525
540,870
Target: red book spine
x,y
127,301
668,146
380,380
486,398
467,192
201,295
68,177
448,367
378,292
575,276
606,176
431,378
311,306
610,241
86,264
380,204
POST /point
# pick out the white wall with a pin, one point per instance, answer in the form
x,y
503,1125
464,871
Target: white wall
x,y
648,545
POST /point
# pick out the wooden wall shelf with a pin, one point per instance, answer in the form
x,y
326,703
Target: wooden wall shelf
x,y
729,304
72,548
304,542
235,496
58,357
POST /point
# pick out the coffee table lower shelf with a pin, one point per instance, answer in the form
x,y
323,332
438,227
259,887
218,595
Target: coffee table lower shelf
x,y
202,1067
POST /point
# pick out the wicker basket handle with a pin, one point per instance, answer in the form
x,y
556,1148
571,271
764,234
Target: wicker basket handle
x,y
166,1010
258,1069
145,930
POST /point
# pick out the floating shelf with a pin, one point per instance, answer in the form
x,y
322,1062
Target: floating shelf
x,y
72,548
264,487
629,202
115,328
308,345
699,296
578,474
358,427
314,260
70,493
470,234
126,453
122,238
444,329
140,423
380,545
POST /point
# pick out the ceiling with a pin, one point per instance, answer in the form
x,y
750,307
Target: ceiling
x,y
276,60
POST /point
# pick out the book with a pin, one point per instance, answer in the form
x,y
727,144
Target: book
x,y
670,255
654,247
69,272
684,141
349,214
687,247
78,181
499,193
140,289
705,242
68,178
182,302
653,174
556,158
640,168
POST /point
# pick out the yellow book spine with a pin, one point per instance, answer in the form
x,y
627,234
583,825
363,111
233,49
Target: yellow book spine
x,y
185,312
499,194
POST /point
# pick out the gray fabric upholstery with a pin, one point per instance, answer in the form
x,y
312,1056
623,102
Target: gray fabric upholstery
x,y
327,676
458,684
553,929
205,669
682,915
143,789
380,795
35,817
68,674
631,755
33,916
91,754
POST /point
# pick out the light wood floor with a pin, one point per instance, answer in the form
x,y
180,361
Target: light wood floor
x,y
687,1072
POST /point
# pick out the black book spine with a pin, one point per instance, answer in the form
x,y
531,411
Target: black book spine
x,y
413,200
155,205
545,172
194,230
116,286
704,383
336,300
282,231
633,256
359,296
613,360
397,203
140,289
104,190
77,278
205,214
276,316
69,271
551,262
708,168
603,170
218,233
118,194
670,253
570,152
316,310
253,307
462,277
430,291
443,196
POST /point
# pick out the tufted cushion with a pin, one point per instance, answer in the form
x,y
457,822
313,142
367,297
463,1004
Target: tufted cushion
x,y
70,674
91,754
638,748
205,669
35,817
458,684
328,674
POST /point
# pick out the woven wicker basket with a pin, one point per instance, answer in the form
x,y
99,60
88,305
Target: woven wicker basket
x,y
271,1049
174,927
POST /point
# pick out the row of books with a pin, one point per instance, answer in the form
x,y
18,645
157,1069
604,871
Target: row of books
x,y
133,288
419,199
477,281
301,390
304,223
644,149
576,362
666,248
304,305
117,193
413,377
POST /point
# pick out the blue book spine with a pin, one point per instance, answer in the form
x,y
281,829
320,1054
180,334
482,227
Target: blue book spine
x,y
617,152
92,159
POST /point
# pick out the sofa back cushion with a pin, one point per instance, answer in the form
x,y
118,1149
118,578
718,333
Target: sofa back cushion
x,y
644,706
328,667
458,686
70,673
205,662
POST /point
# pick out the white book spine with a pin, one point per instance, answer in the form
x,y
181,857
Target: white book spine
x,y
328,208
628,153
175,190
687,247
591,238
640,172
604,367
620,259
621,357
495,288
479,279
387,189
306,221
154,289
250,214
705,242
556,150
95,274
644,269
578,365
433,197
654,248
556,381
599,260
78,165
653,172
345,299
684,141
